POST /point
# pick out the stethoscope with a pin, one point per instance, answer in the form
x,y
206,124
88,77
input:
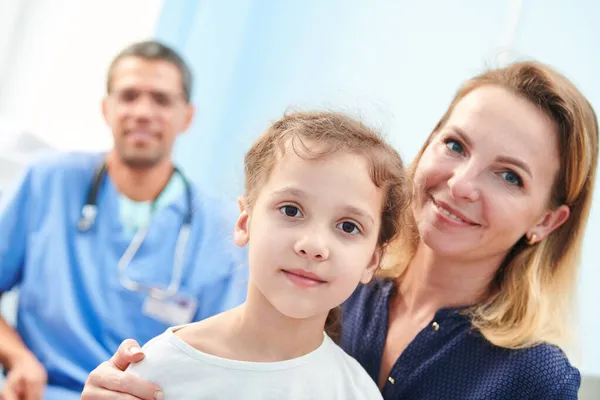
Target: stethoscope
x,y
88,219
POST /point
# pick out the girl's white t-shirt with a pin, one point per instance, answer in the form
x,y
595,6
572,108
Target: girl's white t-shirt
x,y
185,373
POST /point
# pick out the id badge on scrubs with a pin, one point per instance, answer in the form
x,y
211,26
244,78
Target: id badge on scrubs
x,y
175,310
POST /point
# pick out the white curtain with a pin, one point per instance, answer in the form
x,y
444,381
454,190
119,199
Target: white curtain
x,y
12,13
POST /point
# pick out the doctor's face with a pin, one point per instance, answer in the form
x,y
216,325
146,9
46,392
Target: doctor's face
x,y
146,110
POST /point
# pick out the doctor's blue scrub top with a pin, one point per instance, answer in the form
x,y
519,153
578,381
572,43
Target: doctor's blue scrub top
x,y
73,312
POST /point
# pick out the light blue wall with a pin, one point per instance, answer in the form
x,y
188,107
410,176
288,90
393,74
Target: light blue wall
x,y
394,63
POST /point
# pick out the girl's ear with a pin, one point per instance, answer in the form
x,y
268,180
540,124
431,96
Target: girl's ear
x,y
241,203
241,234
373,265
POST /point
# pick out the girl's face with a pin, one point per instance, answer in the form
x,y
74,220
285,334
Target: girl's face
x,y
485,179
312,233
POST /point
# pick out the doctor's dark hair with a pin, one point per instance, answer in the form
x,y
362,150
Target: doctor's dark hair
x,y
313,135
155,51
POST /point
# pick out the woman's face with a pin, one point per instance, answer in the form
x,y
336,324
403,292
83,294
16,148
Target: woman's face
x,y
485,179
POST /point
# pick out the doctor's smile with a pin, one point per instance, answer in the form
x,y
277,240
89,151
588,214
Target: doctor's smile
x,y
142,136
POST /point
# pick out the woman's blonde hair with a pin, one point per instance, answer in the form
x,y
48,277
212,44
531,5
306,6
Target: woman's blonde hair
x,y
533,291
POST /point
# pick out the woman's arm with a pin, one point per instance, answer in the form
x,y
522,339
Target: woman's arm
x,y
109,381
567,388
557,378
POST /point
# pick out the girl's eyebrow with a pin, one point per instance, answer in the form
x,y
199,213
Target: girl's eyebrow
x,y
290,190
352,210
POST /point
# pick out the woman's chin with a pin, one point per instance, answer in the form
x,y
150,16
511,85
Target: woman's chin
x,y
446,244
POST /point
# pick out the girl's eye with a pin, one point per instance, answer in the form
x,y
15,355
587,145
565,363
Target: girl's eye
x,y
348,227
290,211
511,178
454,146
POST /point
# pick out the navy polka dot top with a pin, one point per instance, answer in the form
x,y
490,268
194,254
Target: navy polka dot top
x,y
448,360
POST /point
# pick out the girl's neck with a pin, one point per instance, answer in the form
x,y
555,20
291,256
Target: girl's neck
x,y
265,334
432,282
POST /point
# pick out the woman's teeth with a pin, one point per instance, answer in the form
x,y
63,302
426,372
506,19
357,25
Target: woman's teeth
x,y
449,214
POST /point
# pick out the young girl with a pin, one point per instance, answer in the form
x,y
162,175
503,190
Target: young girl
x,y
323,196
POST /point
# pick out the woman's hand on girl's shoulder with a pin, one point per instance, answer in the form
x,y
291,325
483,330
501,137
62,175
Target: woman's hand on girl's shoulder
x,y
110,381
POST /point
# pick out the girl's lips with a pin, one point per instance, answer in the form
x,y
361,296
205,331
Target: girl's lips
x,y
303,278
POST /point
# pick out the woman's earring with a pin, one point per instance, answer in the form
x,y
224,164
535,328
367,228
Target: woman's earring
x,y
532,239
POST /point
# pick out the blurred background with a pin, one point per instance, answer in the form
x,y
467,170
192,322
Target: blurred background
x,y
395,63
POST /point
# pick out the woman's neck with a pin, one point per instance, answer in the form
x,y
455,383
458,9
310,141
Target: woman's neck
x,y
432,282
139,184
264,334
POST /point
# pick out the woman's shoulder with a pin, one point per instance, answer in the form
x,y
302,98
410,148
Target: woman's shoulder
x,y
543,369
366,303
369,295
549,365
364,323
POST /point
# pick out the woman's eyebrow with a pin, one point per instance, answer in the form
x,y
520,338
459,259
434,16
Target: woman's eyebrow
x,y
516,162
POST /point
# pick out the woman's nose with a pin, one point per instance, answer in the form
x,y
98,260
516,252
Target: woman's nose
x,y
463,184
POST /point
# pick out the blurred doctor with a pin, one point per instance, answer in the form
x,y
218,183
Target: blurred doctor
x,y
111,246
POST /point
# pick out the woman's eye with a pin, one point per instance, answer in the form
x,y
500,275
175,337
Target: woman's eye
x,y
454,146
290,211
511,178
349,227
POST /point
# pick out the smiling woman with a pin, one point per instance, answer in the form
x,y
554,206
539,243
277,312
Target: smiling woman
x,y
476,189
503,188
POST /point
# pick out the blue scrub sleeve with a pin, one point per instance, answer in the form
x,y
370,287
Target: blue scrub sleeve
x,y
14,222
